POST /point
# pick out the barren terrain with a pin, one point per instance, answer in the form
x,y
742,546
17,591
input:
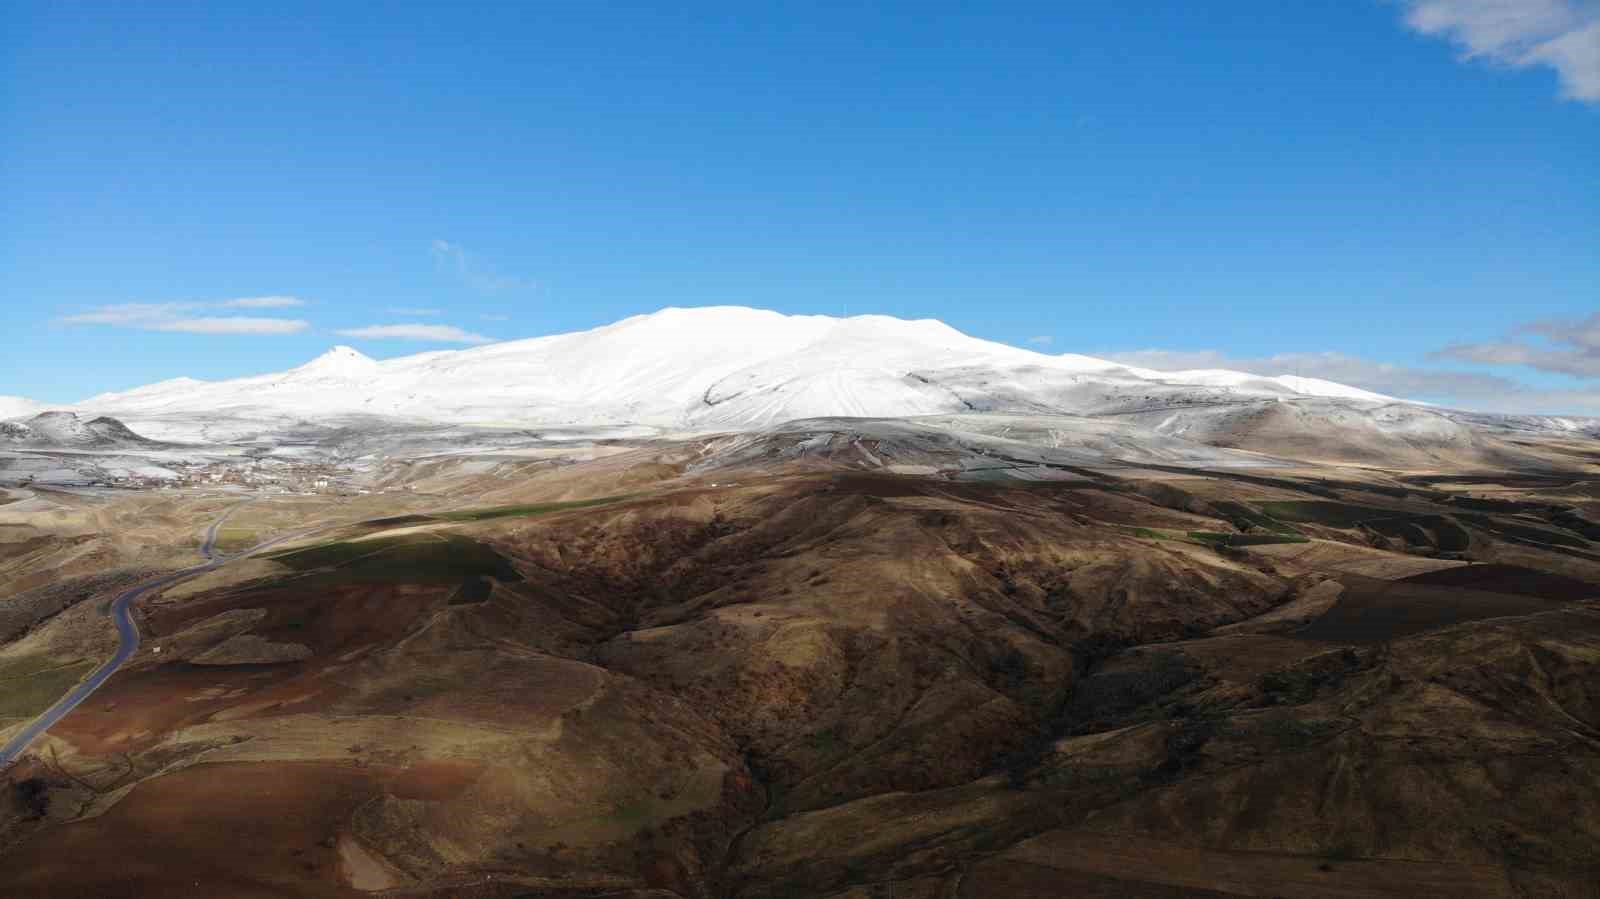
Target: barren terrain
x,y
844,660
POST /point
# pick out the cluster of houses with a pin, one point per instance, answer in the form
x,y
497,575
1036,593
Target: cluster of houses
x,y
265,476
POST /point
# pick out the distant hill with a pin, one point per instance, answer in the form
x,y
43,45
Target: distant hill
x,y
72,430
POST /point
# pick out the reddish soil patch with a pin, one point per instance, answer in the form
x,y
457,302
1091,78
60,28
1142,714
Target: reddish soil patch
x,y
235,830
435,781
1509,579
331,619
1372,610
137,708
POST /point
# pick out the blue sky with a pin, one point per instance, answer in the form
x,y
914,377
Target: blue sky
x,y
1402,195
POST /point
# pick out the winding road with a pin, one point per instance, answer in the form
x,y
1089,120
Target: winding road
x,y
128,634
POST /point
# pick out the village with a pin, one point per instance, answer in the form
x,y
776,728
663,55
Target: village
x,y
259,475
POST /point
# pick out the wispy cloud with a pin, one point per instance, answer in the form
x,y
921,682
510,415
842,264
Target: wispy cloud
x,y
232,325
494,317
1472,390
420,312
1563,35
261,303
436,333
472,271
1041,340
1563,346
128,314
190,318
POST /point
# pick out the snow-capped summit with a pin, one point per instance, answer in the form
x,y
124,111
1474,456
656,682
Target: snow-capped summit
x,y
341,360
711,368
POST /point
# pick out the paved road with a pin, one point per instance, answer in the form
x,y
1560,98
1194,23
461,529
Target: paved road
x,y
128,632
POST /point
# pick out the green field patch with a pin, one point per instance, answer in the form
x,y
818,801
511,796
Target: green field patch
x,y
530,509
1329,514
1241,515
396,521
1221,539
236,538
1416,529
408,559
26,689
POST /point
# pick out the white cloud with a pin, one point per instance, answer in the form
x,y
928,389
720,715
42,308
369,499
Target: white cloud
x,y
471,271
1567,347
128,314
438,333
261,303
1041,340
183,317
1563,35
232,325
1471,390
411,310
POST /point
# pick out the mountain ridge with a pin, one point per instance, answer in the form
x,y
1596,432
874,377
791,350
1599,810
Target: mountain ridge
x,y
63,429
710,368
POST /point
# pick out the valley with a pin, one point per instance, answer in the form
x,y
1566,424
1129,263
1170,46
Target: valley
x,y
849,658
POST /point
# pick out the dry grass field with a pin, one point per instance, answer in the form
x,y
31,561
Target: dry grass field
x,y
628,677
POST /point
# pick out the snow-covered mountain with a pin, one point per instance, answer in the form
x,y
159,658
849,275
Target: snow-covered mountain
x,y
712,368
58,429
16,407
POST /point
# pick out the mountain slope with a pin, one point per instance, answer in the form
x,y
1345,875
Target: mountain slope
x,y
712,368
57,429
